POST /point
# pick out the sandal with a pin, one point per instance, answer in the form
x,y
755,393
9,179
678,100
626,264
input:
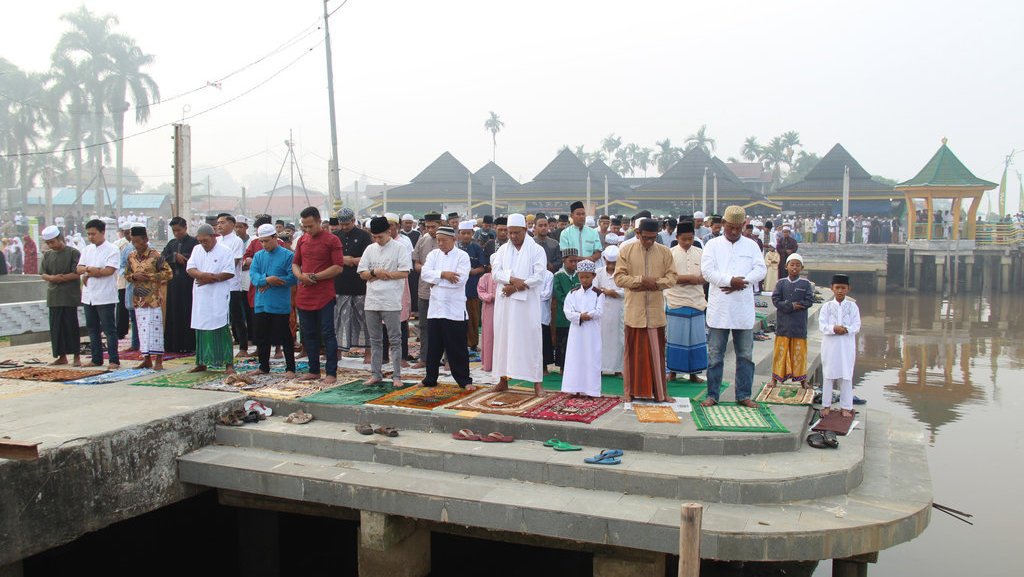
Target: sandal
x,y
232,419
830,439
386,431
465,435
299,417
816,440
566,447
601,459
364,429
497,437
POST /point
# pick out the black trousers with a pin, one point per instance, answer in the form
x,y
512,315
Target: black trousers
x,y
448,337
121,315
547,348
563,342
64,331
237,315
273,329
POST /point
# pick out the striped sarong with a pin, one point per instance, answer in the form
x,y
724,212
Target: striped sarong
x,y
643,371
687,350
789,359
214,347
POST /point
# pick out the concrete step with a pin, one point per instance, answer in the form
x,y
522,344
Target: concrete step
x,y
891,506
770,478
617,428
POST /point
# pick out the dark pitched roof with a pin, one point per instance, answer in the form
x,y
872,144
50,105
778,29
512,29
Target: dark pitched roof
x,y
753,171
502,179
686,178
826,178
946,170
565,178
598,170
446,176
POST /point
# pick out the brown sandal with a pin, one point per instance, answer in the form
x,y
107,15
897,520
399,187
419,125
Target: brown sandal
x,y
386,431
364,429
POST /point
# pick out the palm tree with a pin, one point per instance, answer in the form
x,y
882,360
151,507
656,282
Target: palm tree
x,y
623,162
640,156
790,139
751,149
90,43
610,144
68,108
127,75
773,156
666,155
21,126
701,140
494,124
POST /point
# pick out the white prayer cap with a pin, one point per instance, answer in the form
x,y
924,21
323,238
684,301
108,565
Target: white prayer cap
x,y
795,256
51,232
517,220
610,253
266,230
241,219
787,227
408,217
125,225
698,214
612,238
466,225
586,265
392,217
590,222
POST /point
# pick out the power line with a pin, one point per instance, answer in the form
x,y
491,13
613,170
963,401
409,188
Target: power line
x,y
195,170
354,171
165,125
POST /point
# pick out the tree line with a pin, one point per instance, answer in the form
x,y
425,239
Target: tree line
x,y
76,108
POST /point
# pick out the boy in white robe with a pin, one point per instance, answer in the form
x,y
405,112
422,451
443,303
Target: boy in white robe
x,y
582,370
613,333
839,321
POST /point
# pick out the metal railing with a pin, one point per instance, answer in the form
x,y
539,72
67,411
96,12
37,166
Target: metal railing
x,y
985,233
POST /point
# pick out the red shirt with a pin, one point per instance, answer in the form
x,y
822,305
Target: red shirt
x,y
315,254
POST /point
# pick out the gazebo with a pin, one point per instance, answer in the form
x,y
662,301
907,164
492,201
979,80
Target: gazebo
x,y
944,177
681,189
443,185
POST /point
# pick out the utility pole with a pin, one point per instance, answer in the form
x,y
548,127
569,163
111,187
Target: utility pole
x,y
332,177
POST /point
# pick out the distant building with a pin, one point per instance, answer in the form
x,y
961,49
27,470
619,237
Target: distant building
x,y
681,190
821,191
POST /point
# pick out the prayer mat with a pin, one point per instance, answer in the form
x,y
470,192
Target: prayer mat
x,y
736,418
50,374
112,377
183,379
220,384
566,407
611,386
10,389
186,360
289,390
785,395
127,355
835,421
655,414
354,393
678,405
276,365
420,397
511,402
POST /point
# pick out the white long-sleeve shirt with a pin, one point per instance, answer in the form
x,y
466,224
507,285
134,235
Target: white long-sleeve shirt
x,y
545,297
838,352
447,299
722,260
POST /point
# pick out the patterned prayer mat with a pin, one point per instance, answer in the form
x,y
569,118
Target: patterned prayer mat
x,y
220,384
50,374
611,386
183,380
785,395
420,397
126,355
655,414
10,389
835,421
566,407
290,390
736,418
112,377
354,393
186,360
510,402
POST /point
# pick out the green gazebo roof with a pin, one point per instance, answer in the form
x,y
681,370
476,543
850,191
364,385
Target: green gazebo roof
x,y
946,170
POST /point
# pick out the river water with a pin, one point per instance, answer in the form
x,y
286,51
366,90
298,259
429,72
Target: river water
x,y
956,367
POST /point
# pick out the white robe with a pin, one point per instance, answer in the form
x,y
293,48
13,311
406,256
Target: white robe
x,y
582,372
613,325
517,343
210,301
838,352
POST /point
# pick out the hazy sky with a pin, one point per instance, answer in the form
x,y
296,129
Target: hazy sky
x,y
414,78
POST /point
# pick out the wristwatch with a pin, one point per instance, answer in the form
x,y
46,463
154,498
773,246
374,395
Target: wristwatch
x,y
312,276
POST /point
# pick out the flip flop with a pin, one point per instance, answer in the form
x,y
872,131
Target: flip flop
x,y
386,431
611,453
254,405
566,447
364,429
465,435
497,437
600,459
859,401
299,417
34,361
552,442
830,439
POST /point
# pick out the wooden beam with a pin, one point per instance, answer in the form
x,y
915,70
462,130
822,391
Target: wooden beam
x,y
931,217
911,215
955,215
972,218
20,450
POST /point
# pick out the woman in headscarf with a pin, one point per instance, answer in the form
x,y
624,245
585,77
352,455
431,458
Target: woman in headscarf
x,y
31,256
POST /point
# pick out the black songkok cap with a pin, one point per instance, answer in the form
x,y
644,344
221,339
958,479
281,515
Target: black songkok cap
x,y
501,221
334,221
575,205
684,227
649,225
563,218
617,221
432,217
452,215
139,231
488,219
379,224
841,279
716,219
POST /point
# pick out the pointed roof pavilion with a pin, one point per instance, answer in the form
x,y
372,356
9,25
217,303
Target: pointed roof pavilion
x,y
825,181
563,181
944,177
684,181
446,180
503,184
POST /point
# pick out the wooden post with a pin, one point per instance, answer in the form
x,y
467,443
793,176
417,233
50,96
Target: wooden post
x,y
689,539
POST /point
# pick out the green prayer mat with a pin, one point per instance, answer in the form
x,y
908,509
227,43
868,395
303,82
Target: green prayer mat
x,y
785,395
182,380
355,393
611,385
736,418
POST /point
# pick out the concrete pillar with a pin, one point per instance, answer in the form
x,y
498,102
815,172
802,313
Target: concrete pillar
x,y
628,563
391,546
940,267
1004,276
16,570
880,279
969,271
915,280
849,568
258,542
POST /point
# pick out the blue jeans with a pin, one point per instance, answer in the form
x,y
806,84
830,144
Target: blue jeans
x,y
135,329
317,326
100,319
743,343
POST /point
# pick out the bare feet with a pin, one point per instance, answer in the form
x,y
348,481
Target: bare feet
x,y
709,402
278,355
502,385
309,377
158,366
669,400
146,364
695,378
77,362
825,411
771,384
405,364
243,354
671,376
372,381
229,370
289,374
255,373
471,387
397,384
846,413
419,365
538,390
61,360
805,385
114,366
749,403
330,380
366,360
197,369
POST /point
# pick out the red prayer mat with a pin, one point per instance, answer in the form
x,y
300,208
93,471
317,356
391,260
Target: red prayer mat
x,y
566,407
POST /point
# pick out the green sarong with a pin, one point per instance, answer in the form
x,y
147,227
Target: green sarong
x,y
214,348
